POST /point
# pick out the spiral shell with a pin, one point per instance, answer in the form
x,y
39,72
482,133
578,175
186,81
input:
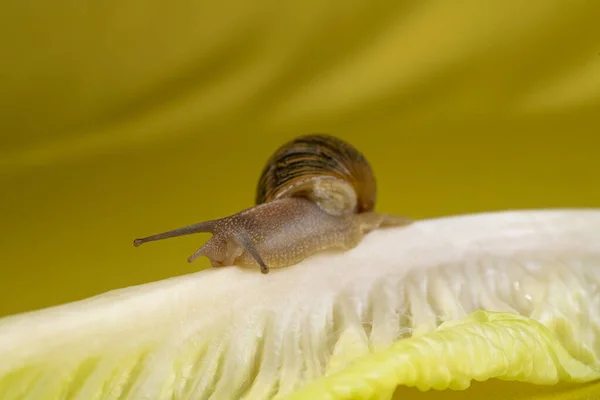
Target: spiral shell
x,y
322,168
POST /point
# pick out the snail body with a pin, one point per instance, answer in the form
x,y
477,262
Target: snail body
x,y
315,193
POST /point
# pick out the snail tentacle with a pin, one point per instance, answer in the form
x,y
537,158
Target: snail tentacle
x,y
243,238
200,227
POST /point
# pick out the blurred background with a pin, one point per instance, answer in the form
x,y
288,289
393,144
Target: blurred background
x,y
120,119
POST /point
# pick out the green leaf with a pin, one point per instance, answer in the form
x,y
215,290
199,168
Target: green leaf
x,y
436,305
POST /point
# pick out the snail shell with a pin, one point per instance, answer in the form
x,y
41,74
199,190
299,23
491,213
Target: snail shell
x,y
323,169
316,192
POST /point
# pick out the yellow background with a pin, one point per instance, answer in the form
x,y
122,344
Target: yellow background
x,y
120,119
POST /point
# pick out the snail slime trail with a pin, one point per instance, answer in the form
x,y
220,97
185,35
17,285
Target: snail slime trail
x,y
315,193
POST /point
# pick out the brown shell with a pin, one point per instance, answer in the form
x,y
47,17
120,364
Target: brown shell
x,y
322,168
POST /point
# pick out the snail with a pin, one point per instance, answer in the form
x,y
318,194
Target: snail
x,y
316,193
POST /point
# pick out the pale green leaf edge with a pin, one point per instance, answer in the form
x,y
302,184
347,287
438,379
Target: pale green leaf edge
x,y
482,346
